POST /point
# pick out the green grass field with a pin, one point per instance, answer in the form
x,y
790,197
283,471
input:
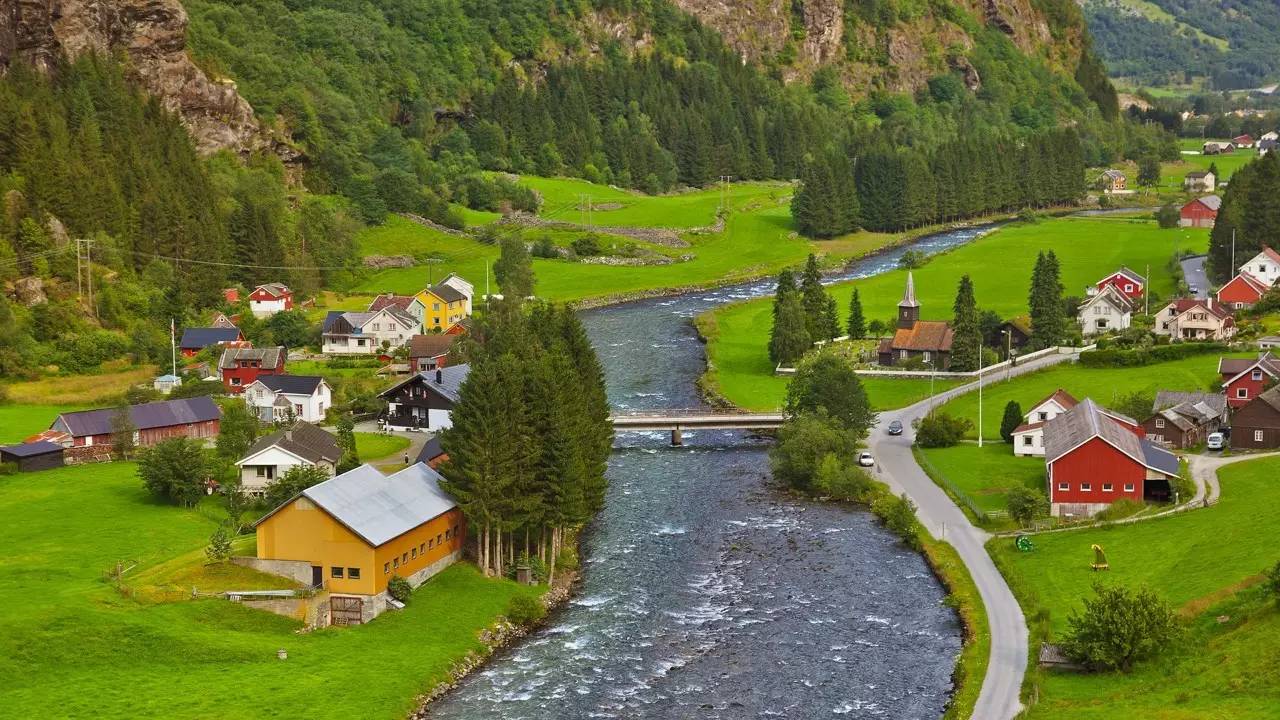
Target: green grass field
x,y
563,199
1000,265
19,421
986,473
1195,560
375,446
75,647
1173,173
1102,384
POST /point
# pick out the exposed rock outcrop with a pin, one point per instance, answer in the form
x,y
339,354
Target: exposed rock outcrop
x,y
153,35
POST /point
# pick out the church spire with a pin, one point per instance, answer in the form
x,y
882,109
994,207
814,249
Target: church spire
x,y
909,308
909,297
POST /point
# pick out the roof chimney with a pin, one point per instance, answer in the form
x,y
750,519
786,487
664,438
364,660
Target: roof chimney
x,y
288,434
439,377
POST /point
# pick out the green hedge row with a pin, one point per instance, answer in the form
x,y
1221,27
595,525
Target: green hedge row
x,y
1136,357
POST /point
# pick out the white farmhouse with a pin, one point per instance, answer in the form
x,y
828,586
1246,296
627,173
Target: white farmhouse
x,y
274,455
279,397
366,333
1108,310
1264,266
1028,438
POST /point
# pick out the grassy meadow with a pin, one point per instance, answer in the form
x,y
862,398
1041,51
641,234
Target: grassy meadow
x,y
1000,265
79,647
1198,561
20,421
986,473
375,446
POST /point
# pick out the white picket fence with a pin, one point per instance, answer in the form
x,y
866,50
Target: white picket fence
x,y
984,372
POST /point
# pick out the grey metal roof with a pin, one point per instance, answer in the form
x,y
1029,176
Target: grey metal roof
x,y
304,440
1158,458
448,293
200,338
165,413
270,357
1213,202
291,384
380,507
1178,420
445,382
40,447
1085,421
430,451
1210,405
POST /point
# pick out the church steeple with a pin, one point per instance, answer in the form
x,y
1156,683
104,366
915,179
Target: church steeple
x,y
909,308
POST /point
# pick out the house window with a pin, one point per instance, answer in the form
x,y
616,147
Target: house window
x,y
235,381
1242,392
446,533
1159,438
926,356
902,354
1027,440
438,538
1257,374
353,573
422,548
395,562
1257,436
1086,487
435,307
1042,415
1128,487
1063,487
1106,487
1128,287
1159,422
262,471
404,558
1101,323
335,571
386,568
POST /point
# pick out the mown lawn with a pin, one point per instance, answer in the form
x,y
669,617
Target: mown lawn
x,y
563,200
73,646
374,446
1000,265
1194,560
20,421
1104,385
986,473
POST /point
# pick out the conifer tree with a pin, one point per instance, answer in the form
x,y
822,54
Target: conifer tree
x,y
966,347
1045,302
815,301
1011,420
789,338
514,268
830,325
857,325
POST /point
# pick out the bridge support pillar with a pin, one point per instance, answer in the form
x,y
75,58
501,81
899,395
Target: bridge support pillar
x,y
677,437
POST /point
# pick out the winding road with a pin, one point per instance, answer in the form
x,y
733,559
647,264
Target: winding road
x,y
897,467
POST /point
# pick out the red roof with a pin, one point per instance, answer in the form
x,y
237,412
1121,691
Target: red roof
x,y
1060,396
1275,256
933,335
1182,305
391,300
1024,427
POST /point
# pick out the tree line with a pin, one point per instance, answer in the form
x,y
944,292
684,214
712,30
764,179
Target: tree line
x,y
1249,218
884,188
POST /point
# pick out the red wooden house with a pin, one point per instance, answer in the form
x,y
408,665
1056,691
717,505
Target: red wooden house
x,y
269,299
240,366
1129,283
1245,379
430,352
196,418
1242,291
1201,212
1094,458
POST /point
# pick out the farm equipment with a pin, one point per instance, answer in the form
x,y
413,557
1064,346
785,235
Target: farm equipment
x,y
1023,543
1099,559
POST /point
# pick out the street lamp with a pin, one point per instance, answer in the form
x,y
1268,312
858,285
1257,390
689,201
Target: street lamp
x,y
929,362
1008,354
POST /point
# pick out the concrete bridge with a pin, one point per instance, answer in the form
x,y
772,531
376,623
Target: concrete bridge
x,y
677,421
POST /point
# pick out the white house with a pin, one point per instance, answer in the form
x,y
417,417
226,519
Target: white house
x,y
366,333
274,455
275,397
166,383
1194,319
1108,310
269,299
457,283
1028,438
1200,181
1264,266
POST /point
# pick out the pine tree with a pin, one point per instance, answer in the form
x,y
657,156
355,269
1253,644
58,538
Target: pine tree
x,y
857,325
966,348
789,338
1011,420
514,268
815,301
1048,319
830,319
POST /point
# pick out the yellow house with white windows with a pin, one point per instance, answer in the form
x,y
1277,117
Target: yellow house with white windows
x,y
440,307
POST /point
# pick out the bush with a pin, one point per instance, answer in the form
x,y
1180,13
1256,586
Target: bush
x,y
9,468
1119,627
544,248
1146,356
219,545
525,610
899,516
1120,509
399,588
586,246
938,430
912,259
803,442
1026,504
842,480
1272,583
1168,216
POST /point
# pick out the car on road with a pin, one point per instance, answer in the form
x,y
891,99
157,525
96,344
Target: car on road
x,y
865,459
895,427
1215,441
1193,288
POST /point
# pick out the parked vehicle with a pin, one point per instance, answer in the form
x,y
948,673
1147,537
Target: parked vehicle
x,y
865,459
895,427
1215,441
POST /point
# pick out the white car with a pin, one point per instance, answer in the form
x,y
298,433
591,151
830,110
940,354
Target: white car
x,y
1215,441
865,459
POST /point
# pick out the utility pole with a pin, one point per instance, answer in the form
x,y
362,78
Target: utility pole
x,y
1146,296
173,345
979,392
725,181
1233,250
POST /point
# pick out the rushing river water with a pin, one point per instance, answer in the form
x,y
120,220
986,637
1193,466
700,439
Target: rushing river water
x,y
706,593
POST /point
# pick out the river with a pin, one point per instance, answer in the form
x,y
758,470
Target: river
x,y
707,593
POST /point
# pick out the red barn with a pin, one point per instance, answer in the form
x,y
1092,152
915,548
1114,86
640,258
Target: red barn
x,y
240,366
1093,459
1244,380
196,418
1129,283
1201,212
1242,291
269,299
231,295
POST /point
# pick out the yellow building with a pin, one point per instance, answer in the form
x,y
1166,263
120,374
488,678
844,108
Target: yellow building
x,y
440,307
352,533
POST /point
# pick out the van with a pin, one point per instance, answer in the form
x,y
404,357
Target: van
x,y
1215,441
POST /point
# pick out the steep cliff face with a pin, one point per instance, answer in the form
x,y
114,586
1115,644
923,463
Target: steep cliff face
x,y
153,35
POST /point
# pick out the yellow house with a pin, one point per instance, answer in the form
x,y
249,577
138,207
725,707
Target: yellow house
x,y
440,306
352,533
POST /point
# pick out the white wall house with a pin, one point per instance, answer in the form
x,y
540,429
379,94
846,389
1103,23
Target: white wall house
x,y
1028,438
269,299
274,455
366,333
1107,311
273,397
1264,266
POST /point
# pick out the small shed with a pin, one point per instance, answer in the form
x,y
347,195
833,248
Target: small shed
x,y
40,455
166,383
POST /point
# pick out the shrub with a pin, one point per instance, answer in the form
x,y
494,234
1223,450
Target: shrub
x,y
1148,355
8,468
544,248
899,515
399,588
1273,581
1168,216
841,480
939,430
1122,508
1119,627
1026,504
912,259
586,246
525,610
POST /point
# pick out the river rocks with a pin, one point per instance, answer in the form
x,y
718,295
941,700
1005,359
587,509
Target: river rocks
x,y
153,34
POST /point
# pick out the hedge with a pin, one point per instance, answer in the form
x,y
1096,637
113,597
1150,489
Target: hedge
x,y
1146,356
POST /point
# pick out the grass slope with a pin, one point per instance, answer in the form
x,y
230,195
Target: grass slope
x,y
1194,560
19,421
82,649
986,473
1000,265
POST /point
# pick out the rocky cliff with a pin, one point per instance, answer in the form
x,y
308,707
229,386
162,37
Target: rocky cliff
x,y
152,33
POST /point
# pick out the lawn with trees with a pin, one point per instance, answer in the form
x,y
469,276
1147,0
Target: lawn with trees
x,y
1208,563
985,474
1087,249
129,655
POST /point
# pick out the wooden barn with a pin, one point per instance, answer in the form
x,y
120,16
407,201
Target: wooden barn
x,y
40,455
197,418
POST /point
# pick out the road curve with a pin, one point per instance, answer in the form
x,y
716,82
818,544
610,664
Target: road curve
x,y
897,467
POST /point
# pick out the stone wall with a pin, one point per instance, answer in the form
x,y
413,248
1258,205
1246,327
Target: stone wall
x,y
296,570
311,611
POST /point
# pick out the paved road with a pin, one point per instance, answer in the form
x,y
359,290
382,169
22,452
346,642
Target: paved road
x,y
1193,271
999,697
1204,470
